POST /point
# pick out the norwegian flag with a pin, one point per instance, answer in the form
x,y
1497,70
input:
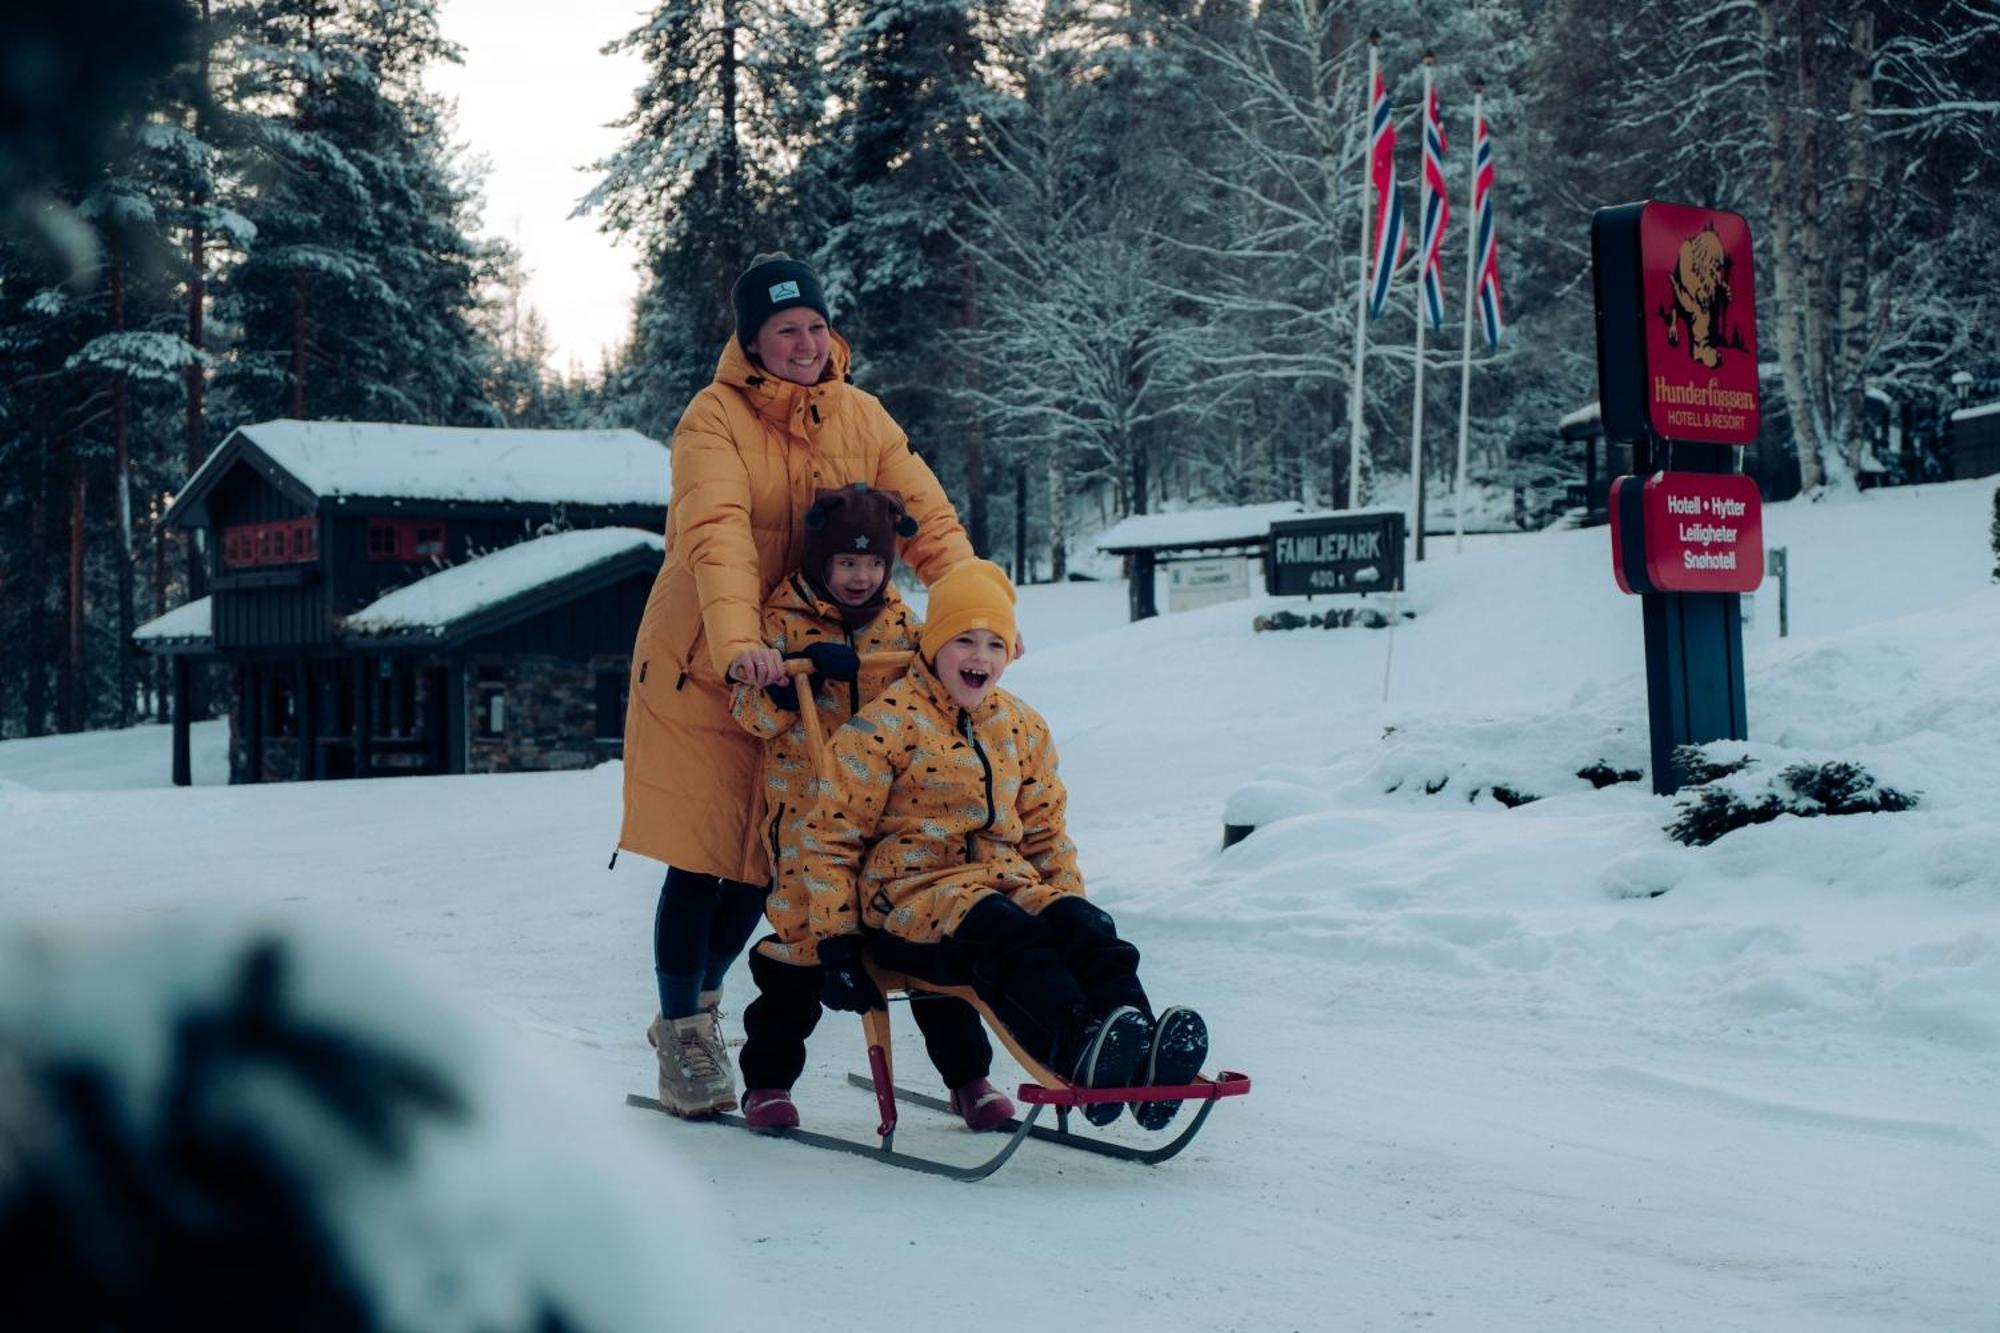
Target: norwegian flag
x,y
1391,240
1436,211
1484,237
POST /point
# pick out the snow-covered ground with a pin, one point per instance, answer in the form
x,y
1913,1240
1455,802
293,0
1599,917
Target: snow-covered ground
x,y
1530,1068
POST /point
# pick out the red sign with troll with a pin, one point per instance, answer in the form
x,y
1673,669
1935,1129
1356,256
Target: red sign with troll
x,y
1701,326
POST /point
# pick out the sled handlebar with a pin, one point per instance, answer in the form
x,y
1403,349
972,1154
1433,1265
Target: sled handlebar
x,y
802,669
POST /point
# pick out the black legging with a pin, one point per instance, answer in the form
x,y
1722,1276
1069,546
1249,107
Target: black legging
x,y
700,926
1046,976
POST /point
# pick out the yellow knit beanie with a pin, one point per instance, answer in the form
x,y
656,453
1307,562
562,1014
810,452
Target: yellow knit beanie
x,y
974,595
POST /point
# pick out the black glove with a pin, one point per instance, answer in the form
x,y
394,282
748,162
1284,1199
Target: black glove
x,y
835,661
843,982
785,694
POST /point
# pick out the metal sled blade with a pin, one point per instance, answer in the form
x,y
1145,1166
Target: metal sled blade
x,y
884,1152
1084,1142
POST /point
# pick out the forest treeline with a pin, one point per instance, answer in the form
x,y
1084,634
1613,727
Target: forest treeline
x,y
1096,257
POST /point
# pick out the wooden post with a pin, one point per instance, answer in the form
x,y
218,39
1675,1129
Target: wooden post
x,y
364,715
254,702
308,731
182,702
1141,590
454,707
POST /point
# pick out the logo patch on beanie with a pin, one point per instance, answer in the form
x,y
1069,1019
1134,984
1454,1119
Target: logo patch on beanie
x,y
784,291
860,543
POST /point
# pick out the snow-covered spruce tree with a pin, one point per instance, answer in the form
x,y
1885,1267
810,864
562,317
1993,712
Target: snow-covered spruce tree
x,y
908,75
354,300
733,88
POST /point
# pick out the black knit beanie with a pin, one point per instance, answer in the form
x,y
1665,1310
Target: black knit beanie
x,y
772,283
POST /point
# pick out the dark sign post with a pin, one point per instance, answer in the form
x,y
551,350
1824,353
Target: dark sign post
x,y
1350,552
1677,377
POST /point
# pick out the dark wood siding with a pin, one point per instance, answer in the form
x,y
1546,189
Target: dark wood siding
x,y
604,622
1975,446
290,608
356,580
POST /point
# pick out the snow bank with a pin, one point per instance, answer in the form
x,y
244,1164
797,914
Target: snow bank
x,y
270,1086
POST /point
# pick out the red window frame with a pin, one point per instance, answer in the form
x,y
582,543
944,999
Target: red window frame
x,y
292,541
407,538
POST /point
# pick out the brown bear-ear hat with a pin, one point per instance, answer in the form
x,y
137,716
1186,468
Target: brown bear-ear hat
x,y
854,520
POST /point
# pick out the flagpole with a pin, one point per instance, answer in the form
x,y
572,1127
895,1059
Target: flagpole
x,y
1357,419
1423,259
1465,345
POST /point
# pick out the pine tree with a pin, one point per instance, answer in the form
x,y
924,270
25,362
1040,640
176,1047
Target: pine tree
x,y
355,299
733,88
908,74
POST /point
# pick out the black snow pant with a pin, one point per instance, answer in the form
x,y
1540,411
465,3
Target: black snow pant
x,y
1047,976
787,1009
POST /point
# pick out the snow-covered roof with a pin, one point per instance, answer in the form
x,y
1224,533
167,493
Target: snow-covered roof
x,y
433,605
1590,411
1200,527
190,620
1983,410
337,459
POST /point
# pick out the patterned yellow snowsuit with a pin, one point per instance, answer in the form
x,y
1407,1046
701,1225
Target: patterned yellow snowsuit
x,y
927,810
794,616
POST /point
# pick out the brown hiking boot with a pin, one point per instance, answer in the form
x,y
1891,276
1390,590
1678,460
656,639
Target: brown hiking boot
x,y
693,1082
711,1015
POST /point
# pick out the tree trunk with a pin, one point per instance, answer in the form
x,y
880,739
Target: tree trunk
x,y
975,431
295,395
38,589
1786,279
197,383
1850,387
1058,516
1812,241
192,555
73,707
128,557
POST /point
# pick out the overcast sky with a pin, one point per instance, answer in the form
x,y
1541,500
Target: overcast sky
x,y
535,99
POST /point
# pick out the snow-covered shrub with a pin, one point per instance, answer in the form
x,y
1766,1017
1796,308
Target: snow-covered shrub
x,y
222,1128
1601,774
1720,806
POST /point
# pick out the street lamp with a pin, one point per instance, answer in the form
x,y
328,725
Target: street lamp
x,y
1961,385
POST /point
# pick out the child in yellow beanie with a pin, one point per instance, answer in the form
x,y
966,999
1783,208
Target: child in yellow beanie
x,y
939,840
838,608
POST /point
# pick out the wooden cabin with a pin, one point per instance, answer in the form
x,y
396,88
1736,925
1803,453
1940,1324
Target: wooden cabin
x,y
415,599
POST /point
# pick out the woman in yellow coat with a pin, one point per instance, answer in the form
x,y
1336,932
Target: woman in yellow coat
x,y
779,420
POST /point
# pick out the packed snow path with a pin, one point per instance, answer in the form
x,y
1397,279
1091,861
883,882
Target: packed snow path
x,y
1498,1084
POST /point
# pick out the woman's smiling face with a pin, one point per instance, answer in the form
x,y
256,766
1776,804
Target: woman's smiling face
x,y
970,666
795,345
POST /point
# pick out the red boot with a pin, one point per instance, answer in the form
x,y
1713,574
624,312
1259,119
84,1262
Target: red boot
x,y
770,1108
982,1105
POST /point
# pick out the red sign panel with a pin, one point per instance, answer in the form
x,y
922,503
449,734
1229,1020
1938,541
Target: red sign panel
x,y
1701,324
1698,532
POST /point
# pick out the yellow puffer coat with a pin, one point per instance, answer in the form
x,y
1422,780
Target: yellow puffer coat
x,y
747,455
793,618
927,809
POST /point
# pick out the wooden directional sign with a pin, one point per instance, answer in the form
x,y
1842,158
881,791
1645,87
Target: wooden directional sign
x,y
1350,552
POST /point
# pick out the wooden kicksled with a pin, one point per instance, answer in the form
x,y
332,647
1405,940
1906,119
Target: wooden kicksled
x,y
1048,1089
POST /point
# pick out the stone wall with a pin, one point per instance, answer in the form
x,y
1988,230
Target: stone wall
x,y
549,715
